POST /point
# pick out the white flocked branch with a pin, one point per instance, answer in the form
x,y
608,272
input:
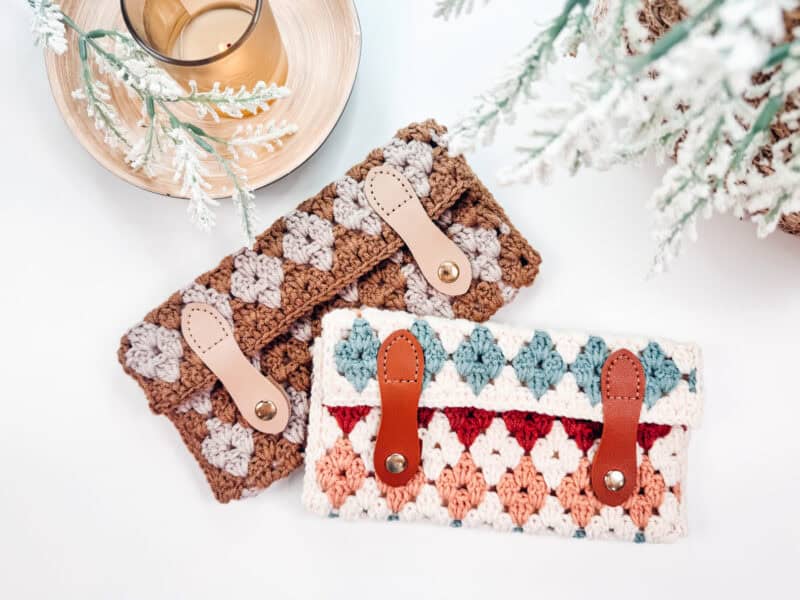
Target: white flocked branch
x,y
168,141
694,89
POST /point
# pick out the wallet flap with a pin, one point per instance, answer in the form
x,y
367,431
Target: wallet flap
x,y
500,368
333,250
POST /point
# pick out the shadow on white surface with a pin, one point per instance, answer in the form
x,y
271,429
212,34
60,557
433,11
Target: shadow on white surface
x,y
98,499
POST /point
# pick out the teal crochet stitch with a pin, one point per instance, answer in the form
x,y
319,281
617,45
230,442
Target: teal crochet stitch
x,y
661,372
692,381
538,365
479,359
357,356
431,347
588,367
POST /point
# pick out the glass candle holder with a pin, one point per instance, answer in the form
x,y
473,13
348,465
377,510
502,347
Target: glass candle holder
x,y
233,42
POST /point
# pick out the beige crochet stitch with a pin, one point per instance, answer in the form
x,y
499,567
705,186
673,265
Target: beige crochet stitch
x,y
332,251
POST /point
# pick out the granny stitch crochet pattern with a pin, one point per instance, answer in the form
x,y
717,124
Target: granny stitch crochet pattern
x,y
509,421
332,251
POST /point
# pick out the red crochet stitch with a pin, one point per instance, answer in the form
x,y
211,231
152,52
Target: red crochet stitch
x,y
527,427
468,423
348,416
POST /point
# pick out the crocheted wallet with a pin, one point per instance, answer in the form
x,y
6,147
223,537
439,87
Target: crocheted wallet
x,y
335,250
545,432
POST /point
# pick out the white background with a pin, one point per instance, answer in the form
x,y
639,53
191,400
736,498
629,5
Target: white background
x,y
100,499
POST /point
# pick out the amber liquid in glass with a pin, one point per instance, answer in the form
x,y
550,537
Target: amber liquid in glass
x,y
220,39
209,32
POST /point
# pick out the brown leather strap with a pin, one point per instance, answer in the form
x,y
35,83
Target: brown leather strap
x,y
614,469
260,400
443,264
401,364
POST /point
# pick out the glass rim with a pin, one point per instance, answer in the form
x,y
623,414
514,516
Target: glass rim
x,y
195,62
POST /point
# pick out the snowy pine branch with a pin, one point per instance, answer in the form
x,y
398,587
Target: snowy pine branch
x,y
48,26
454,8
233,103
191,173
479,124
266,136
167,142
709,92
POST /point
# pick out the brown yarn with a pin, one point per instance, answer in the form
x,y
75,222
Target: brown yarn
x,y
372,262
791,223
659,15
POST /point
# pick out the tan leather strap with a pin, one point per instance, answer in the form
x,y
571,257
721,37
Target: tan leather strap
x,y
443,264
401,365
614,469
260,400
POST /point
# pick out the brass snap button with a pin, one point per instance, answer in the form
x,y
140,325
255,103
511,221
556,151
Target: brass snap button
x,y
614,480
448,271
396,463
266,410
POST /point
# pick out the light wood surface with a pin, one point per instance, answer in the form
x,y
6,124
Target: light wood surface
x,y
323,44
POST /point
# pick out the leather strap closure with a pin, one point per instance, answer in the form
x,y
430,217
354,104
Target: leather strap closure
x,y
401,365
443,264
614,469
260,400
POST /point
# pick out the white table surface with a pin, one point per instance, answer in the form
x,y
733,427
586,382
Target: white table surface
x,y
100,499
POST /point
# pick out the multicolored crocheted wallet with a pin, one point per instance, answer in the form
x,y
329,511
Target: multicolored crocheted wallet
x,y
344,247
448,421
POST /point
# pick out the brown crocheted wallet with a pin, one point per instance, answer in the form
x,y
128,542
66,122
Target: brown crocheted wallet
x,y
333,251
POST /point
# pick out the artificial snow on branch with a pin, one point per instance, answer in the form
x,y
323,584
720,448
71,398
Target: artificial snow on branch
x,y
116,56
717,91
453,8
48,26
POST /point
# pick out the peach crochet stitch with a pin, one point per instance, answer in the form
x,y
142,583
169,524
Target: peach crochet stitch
x,y
461,487
522,491
509,422
341,472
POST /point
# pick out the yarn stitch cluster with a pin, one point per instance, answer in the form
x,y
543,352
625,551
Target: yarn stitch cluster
x,y
538,365
333,251
508,435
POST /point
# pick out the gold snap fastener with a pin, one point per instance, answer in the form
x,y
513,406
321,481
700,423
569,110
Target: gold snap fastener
x,y
396,463
266,410
614,480
448,271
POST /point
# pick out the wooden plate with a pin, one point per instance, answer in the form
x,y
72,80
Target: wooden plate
x,y
323,44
